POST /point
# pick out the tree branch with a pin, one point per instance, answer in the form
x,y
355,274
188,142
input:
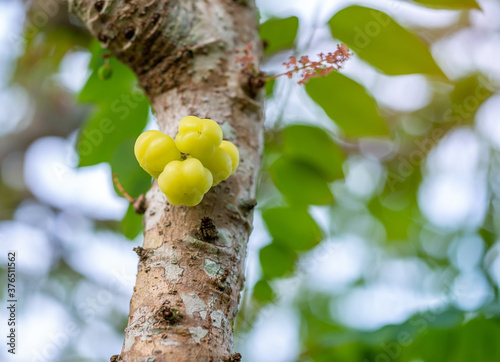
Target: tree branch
x,y
188,284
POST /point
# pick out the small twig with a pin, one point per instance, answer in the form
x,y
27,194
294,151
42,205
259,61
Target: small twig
x,y
285,96
326,64
322,62
139,204
122,190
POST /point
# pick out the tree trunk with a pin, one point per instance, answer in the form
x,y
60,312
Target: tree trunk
x,y
191,269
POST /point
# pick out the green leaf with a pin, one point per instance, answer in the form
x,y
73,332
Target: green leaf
x,y
109,91
450,4
397,207
279,34
467,96
97,52
110,126
397,218
263,292
269,87
348,104
131,223
132,177
299,182
292,227
134,180
382,42
487,230
277,261
474,341
122,112
315,147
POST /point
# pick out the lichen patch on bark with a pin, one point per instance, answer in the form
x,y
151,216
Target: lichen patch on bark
x,y
225,238
173,271
169,343
228,131
211,268
194,304
198,333
217,318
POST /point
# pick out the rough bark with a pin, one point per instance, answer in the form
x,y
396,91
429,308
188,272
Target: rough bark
x,y
191,268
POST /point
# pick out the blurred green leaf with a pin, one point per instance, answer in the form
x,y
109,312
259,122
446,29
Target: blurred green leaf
x,y
449,4
110,126
292,227
131,223
467,96
349,352
263,292
269,87
97,52
300,183
110,132
487,230
474,341
396,213
279,34
110,92
134,180
396,207
121,114
277,261
314,146
348,104
327,340
132,177
316,324
382,42
43,58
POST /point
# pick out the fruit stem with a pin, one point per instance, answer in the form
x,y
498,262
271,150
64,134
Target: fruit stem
x,y
122,190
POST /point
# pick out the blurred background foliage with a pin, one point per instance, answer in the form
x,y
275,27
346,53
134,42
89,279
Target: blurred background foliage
x,y
376,231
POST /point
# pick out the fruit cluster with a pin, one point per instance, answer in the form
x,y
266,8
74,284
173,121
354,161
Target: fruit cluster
x,y
189,166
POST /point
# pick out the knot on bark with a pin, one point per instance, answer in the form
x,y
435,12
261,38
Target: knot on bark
x,y
221,281
207,230
141,252
248,205
129,32
252,81
99,5
140,204
157,30
167,315
235,357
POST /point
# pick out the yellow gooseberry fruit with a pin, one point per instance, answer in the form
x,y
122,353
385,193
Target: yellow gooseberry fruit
x,y
231,149
198,137
154,150
185,182
219,164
